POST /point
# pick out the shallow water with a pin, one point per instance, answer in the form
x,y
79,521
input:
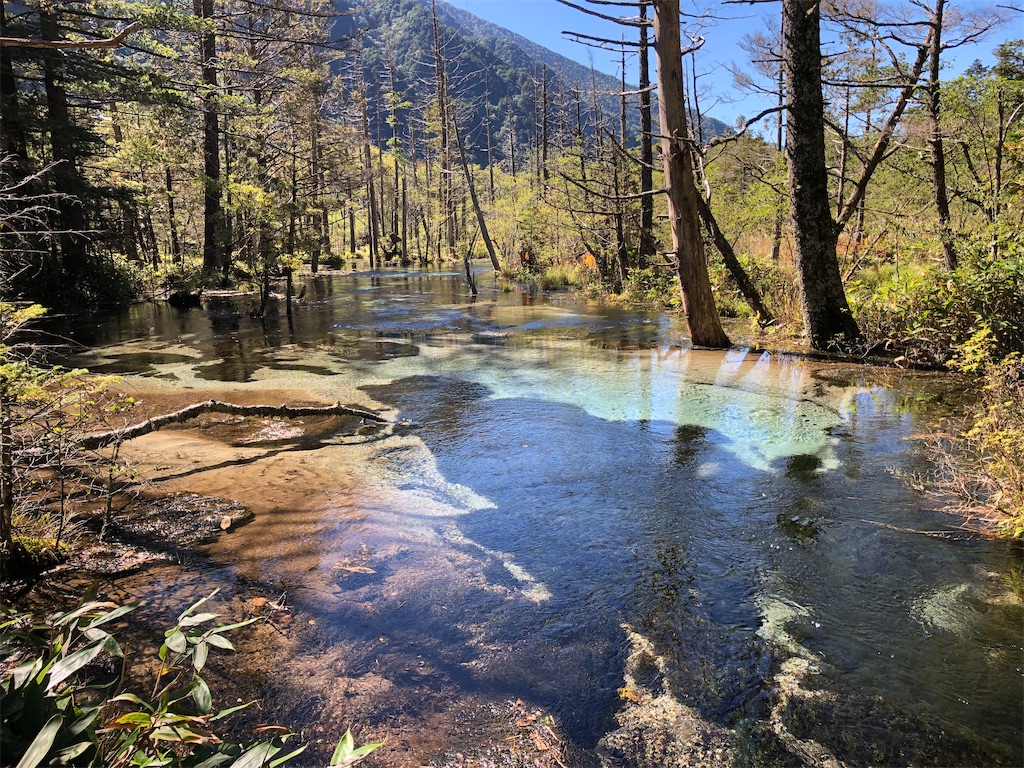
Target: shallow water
x,y
577,468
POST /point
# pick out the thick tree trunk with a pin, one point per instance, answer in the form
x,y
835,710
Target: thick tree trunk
x,y
214,247
937,153
781,94
698,300
72,223
827,316
13,141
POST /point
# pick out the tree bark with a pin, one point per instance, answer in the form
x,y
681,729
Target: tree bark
x,y
936,151
481,222
214,250
72,223
13,140
827,317
780,85
647,244
732,263
698,300
172,221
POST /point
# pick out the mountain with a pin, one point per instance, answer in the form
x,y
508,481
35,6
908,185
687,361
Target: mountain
x,y
495,74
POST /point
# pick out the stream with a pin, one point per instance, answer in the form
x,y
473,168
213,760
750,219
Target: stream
x,y
578,481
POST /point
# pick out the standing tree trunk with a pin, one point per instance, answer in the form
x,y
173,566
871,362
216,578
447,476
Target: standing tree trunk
x,y
71,223
937,154
698,300
826,313
481,222
212,212
214,251
647,245
172,219
780,85
13,140
371,193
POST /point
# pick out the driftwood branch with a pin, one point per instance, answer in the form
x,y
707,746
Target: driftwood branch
x,y
102,439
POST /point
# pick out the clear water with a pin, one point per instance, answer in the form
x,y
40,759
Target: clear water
x,y
580,468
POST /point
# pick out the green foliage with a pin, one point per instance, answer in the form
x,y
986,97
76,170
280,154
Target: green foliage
x,y
63,706
564,274
332,261
992,447
652,287
927,314
43,412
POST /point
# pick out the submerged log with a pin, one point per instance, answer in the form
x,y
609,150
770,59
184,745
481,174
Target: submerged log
x,y
102,439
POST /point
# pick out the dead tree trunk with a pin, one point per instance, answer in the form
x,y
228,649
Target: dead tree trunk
x,y
698,300
732,263
647,244
473,197
214,251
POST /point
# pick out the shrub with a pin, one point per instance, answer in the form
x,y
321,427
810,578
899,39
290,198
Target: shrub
x,y
652,287
991,449
927,313
61,707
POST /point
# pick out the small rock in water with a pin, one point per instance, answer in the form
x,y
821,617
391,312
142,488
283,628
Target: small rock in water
x,y
225,522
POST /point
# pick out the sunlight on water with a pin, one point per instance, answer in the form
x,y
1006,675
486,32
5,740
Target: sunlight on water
x,y
577,468
763,406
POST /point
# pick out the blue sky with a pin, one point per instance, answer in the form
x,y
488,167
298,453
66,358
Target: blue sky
x,y
544,20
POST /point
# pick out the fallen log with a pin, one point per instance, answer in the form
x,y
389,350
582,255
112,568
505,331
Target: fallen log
x,y
101,439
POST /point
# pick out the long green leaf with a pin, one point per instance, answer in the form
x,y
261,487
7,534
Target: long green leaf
x,y
219,641
67,666
345,746
231,710
282,760
257,756
25,672
40,746
236,625
66,755
196,604
199,655
176,641
112,615
213,761
201,696
199,618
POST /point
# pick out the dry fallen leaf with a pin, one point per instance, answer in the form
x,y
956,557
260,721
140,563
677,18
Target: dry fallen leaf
x,y
356,569
258,602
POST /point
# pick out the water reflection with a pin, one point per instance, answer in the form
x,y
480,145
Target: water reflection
x,y
587,468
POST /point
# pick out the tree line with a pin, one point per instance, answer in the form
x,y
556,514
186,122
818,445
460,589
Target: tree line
x,y
227,142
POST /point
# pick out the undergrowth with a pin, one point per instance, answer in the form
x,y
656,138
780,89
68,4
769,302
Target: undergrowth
x,y
65,700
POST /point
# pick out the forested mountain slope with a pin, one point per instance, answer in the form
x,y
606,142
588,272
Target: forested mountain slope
x,y
499,77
